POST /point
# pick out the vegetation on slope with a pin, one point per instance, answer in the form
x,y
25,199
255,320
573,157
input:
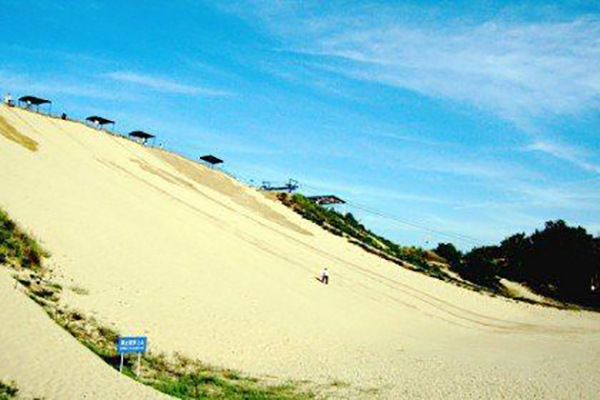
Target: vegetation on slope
x,y
347,226
16,247
560,261
8,391
176,376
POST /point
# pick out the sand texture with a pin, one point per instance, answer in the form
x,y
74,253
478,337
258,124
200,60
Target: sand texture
x,y
213,269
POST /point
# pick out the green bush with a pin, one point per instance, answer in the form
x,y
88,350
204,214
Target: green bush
x,y
8,391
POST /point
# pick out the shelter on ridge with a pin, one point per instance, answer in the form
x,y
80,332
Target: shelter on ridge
x,y
327,199
212,160
29,101
99,121
143,137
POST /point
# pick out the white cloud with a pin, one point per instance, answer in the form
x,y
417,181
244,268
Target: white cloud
x,y
44,86
517,71
163,84
564,152
523,72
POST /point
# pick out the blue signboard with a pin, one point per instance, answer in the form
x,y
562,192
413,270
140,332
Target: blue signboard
x,y
132,344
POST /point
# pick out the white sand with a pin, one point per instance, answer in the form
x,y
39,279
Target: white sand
x,y
210,268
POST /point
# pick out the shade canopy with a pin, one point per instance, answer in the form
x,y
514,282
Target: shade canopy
x,y
328,199
211,159
34,100
141,135
99,120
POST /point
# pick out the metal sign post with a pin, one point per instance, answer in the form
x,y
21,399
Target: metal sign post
x,y
132,344
139,364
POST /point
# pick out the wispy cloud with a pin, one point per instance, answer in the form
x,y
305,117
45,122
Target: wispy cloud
x,y
564,152
520,70
515,70
72,87
163,84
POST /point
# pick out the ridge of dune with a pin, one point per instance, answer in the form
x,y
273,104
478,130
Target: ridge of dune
x,y
210,268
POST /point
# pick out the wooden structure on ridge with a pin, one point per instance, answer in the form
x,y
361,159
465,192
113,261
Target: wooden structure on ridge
x,y
326,200
100,121
211,160
29,101
141,136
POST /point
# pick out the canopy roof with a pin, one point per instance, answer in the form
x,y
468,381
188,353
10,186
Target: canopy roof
x,y
34,100
99,120
211,159
327,199
141,135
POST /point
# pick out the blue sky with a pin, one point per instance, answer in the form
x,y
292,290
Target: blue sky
x,y
477,118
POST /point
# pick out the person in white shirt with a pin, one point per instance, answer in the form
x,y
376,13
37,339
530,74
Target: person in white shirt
x,y
325,276
8,99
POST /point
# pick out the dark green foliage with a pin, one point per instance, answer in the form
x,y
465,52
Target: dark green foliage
x,y
16,247
8,391
558,261
450,253
515,249
480,266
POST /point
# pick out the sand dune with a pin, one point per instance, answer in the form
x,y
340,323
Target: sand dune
x,y
45,361
208,267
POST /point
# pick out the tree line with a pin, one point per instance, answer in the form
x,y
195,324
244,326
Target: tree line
x,y
559,261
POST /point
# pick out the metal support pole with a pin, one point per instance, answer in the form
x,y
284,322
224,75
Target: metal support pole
x,y
139,363
121,366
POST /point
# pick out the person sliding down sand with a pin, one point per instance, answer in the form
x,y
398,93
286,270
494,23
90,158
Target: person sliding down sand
x,y
325,276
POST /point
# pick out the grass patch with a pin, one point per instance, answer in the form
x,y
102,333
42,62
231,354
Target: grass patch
x,y
339,384
199,381
10,391
176,376
80,290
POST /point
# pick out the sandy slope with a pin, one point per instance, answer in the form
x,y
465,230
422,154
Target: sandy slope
x,y
210,268
45,361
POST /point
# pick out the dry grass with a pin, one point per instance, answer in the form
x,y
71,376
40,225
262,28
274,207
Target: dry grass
x,y
12,134
80,290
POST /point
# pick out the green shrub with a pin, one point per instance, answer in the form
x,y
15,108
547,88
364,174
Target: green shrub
x,y
8,390
16,247
347,225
